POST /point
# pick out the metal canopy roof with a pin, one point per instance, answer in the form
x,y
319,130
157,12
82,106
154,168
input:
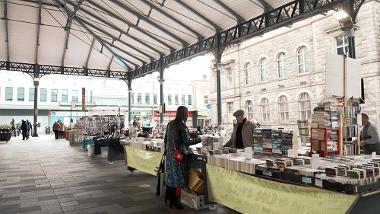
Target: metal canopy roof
x,y
112,37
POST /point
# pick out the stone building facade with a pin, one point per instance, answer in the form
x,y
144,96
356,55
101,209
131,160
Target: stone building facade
x,y
279,77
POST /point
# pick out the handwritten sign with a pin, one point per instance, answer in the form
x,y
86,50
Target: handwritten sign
x,y
248,194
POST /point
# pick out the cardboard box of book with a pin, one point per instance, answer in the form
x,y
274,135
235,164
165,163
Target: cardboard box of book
x,y
193,201
196,183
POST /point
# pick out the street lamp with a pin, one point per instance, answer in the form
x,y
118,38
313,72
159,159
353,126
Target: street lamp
x,y
345,20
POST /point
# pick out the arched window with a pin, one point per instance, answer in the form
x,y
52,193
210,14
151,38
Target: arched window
x,y
304,106
283,108
263,69
281,65
247,73
265,109
249,109
302,60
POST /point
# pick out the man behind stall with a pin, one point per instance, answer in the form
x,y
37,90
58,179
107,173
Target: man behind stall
x,y
369,136
242,134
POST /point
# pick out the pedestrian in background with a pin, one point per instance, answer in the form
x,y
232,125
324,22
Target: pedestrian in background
x,y
61,129
56,128
24,129
13,127
29,127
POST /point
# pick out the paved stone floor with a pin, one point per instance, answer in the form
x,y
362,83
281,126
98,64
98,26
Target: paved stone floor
x,y
43,175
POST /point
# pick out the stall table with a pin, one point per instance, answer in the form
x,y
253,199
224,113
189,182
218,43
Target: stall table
x,y
250,194
142,160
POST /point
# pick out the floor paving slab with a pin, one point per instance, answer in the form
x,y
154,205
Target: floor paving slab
x,y
46,176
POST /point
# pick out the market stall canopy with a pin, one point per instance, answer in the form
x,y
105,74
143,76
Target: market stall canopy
x,y
113,34
126,35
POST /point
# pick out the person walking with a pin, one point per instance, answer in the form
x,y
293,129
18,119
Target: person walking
x,y
177,140
61,129
13,127
24,129
18,128
56,128
29,127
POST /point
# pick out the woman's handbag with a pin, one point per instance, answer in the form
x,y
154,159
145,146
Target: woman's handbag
x,y
178,156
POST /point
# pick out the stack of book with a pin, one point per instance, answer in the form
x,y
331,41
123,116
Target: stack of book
x,y
272,142
325,123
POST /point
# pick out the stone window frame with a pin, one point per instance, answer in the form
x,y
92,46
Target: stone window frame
x,y
43,95
304,64
176,99
74,96
283,108
139,98
155,99
20,94
147,98
249,109
170,99
183,99
304,106
247,69
230,107
265,109
282,61
53,95
64,95
8,93
263,71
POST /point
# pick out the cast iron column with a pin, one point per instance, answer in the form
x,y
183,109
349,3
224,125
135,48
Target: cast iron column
x,y
35,110
161,80
218,56
129,99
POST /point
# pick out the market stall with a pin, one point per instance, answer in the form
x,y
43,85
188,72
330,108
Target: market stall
x,y
143,154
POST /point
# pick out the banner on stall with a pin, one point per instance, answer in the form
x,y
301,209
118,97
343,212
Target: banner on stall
x,y
248,194
142,160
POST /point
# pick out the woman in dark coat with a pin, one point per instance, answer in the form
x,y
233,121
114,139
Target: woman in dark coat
x,y
24,129
177,137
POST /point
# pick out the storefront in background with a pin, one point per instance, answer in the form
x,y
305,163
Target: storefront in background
x,y
170,115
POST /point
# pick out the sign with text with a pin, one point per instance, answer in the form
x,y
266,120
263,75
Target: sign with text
x,y
246,193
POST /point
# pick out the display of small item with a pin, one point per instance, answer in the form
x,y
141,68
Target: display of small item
x,y
272,142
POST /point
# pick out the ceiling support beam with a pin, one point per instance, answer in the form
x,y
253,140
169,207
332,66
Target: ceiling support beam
x,y
238,18
89,53
153,6
142,17
113,26
68,28
38,30
6,27
215,26
51,69
109,64
69,13
130,24
80,20
70,18
267,7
